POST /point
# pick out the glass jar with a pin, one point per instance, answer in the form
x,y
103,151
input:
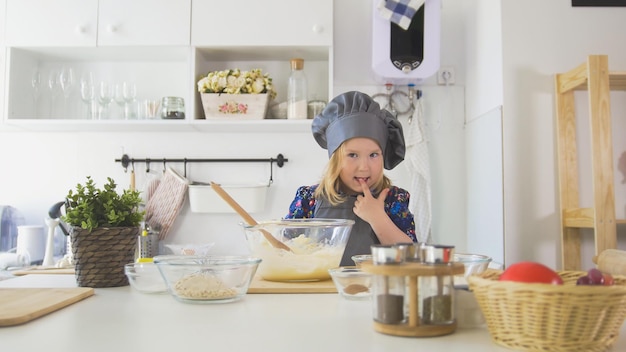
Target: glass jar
x,y
436,293
388,291
172,108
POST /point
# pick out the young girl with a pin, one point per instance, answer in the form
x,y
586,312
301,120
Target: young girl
x,y
361,140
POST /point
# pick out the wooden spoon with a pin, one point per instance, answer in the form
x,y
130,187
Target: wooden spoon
x,y
246,217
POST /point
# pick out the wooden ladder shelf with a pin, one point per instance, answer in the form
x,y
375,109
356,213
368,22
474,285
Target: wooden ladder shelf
x,y
594,77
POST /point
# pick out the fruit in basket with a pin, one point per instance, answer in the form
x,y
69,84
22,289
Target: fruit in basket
x,y
595,277
531,272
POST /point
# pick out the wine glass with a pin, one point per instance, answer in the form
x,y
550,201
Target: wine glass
x,y
35,82
88,94
66,82
53,82
119,98
105,97
130,93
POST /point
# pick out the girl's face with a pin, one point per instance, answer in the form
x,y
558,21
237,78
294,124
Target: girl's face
x,y
362,162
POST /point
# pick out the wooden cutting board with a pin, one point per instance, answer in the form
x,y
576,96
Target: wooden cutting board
x,y
41,270
259,285
21,305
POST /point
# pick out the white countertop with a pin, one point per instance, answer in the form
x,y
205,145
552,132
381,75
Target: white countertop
x,y
121,319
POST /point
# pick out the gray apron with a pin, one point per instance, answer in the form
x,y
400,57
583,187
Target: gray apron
x,y
361,237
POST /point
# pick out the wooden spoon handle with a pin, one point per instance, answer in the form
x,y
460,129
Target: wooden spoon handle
x,y
246,216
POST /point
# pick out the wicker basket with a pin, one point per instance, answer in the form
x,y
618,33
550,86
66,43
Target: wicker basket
x,y
100,255
540,317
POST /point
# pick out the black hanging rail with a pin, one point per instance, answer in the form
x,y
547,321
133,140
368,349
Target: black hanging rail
x,y
280,160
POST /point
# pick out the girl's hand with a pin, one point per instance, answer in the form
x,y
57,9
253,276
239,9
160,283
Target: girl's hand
x,y
369,208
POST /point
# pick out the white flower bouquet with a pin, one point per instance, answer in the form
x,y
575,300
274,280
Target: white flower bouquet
x,y
237,82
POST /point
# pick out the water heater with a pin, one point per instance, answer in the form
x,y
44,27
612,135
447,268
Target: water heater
x,y
406,56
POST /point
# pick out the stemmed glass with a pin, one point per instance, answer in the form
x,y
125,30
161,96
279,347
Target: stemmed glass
x,y
125,94
66,82
130,92
53,81
119,98
105,97
88,94
35,82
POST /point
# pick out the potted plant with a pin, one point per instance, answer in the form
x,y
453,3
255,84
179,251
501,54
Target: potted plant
x,y
236,94
104,226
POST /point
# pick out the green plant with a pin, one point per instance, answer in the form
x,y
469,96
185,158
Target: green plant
x,y
237,82
90,207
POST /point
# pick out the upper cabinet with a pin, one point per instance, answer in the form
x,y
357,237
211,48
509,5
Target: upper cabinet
x,y
268,22
162,48
144,22
51,23
62,23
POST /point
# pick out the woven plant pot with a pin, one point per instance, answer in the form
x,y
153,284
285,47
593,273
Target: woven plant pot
x,y
100,255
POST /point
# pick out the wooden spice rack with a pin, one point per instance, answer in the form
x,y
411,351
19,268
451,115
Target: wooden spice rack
x,y
412,271
593,76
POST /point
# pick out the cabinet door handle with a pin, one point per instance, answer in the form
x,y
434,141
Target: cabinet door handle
x,y
112,28
81,29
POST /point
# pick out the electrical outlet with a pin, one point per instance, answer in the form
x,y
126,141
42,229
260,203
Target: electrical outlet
x,y
446,76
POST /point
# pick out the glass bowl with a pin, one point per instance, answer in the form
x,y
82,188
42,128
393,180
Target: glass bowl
x,y
316,246
474,264
145,277
360,258
207,279
351,282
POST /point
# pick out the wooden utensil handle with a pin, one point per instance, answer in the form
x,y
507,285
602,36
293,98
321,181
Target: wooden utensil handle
x,y
246,217
233,204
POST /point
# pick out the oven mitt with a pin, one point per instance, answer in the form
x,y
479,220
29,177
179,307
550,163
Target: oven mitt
x,y
400,12
167,201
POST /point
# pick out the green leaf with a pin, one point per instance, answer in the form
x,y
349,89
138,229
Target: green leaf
x,y
90,207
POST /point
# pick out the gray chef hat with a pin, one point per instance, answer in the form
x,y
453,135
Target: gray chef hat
x,y
355,114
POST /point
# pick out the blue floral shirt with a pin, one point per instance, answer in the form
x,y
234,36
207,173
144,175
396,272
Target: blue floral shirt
x,y
396,207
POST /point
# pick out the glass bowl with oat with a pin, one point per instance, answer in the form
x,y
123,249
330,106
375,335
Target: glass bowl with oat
x,y
207,279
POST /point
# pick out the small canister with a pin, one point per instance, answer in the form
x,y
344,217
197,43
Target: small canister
x,y
315,107
173,108
387,254
436,293
388,291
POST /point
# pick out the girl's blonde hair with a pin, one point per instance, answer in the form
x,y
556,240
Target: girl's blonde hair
x,y
332,188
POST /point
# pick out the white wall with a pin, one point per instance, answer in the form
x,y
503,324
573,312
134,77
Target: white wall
x,y
541,38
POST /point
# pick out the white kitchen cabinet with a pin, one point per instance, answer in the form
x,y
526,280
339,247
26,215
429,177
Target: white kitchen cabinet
x,y
144,22
61,23
150,42
262,23
44,23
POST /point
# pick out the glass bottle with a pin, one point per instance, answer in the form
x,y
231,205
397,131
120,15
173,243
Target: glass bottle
x,y
297,91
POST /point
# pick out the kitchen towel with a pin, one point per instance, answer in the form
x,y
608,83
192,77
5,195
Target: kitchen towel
x,y
418,165
400,12
163,207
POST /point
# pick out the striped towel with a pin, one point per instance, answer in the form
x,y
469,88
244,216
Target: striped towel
x,y
400,12
163,207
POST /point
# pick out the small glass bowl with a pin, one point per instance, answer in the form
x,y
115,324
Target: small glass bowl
x,y
360,258
351,282
207,279
474,264
145,277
